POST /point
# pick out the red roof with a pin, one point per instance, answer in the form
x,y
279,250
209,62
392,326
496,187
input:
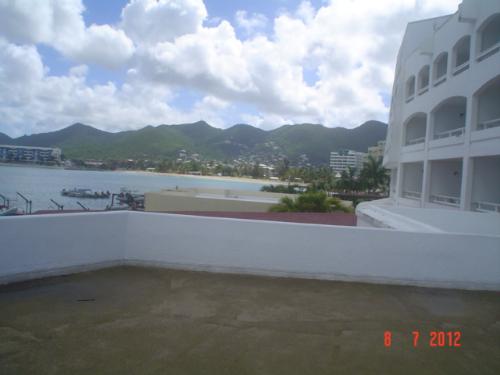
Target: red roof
x,y
334,218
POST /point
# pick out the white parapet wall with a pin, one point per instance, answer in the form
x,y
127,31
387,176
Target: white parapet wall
x,y
43,245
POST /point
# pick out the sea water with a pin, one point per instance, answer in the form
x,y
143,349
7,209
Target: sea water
x,y
42,184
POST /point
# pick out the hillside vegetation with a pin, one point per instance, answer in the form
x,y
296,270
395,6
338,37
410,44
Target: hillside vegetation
x,y
80,141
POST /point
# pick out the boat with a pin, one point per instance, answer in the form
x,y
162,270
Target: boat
x,y
85,193
11,212
130,198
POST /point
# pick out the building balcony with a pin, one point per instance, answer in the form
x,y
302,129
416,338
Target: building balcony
x,y
461,68
488,52
415,129
486,207
446,200
415,141
488,124
448,118
485,184
439,80
417,195
413,175
446,182
457,132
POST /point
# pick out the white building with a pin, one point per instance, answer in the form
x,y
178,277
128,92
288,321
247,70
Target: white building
x,y
377,152
443,142
340,161
29,154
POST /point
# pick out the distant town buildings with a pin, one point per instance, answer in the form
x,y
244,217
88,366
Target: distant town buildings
x,y
29,154
377,152
341,160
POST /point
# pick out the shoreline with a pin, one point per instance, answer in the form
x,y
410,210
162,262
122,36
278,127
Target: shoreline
x,y
213,178
259,181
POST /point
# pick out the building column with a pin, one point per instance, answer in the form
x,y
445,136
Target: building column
x,y
467,161
426,184
466,188
399,183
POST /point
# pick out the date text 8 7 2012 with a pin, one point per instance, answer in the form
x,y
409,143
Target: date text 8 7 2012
x,y
438,339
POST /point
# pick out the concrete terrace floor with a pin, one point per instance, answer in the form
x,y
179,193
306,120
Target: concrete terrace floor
x,y
157,321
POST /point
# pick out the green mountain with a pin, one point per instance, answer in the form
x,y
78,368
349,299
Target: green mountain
x,y
241,140
5,139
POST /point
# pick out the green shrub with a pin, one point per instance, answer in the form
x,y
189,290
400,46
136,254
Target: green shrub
x,y
312,201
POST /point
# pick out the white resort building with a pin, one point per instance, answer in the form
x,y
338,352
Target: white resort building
x,y
443,143
343,159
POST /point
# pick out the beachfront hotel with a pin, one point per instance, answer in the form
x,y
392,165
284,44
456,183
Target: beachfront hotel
x,y
29,153
344,159
443,143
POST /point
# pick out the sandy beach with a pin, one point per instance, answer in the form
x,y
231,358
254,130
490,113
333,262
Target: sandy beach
x,y
216,178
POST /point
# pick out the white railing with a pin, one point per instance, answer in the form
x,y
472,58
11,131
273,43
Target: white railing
x,y
414,141
488,124
423,90
460,68
449,133
440,80
482,206
447,200
412,194
487,52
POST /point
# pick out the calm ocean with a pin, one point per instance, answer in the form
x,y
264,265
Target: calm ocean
x,y
42,184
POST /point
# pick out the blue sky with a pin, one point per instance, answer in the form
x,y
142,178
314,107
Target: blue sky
x,y
124,64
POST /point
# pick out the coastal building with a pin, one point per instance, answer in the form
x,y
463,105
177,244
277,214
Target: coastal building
x,y
343,159
377,152
29,154
443,142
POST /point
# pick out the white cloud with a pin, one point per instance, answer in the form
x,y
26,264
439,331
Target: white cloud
x,y
154,21
305,11
349,46
32,101
102,45
250,23
47,21
59,23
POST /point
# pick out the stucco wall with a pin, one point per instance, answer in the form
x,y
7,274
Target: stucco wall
x,y
40,245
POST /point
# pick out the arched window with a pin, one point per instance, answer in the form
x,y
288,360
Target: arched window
x,y
415,129
461,55
448,118
410,88
488,108
489,36
440,68
423,79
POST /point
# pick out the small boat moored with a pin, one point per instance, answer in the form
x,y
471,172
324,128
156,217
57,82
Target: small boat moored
x,y
85,193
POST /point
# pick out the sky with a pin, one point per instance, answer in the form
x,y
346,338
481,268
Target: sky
x,y
121,65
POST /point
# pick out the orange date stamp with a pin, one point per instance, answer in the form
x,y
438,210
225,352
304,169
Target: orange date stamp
x,y
435,339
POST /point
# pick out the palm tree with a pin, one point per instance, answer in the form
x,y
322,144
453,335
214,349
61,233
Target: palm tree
x,y
374,175
348,180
